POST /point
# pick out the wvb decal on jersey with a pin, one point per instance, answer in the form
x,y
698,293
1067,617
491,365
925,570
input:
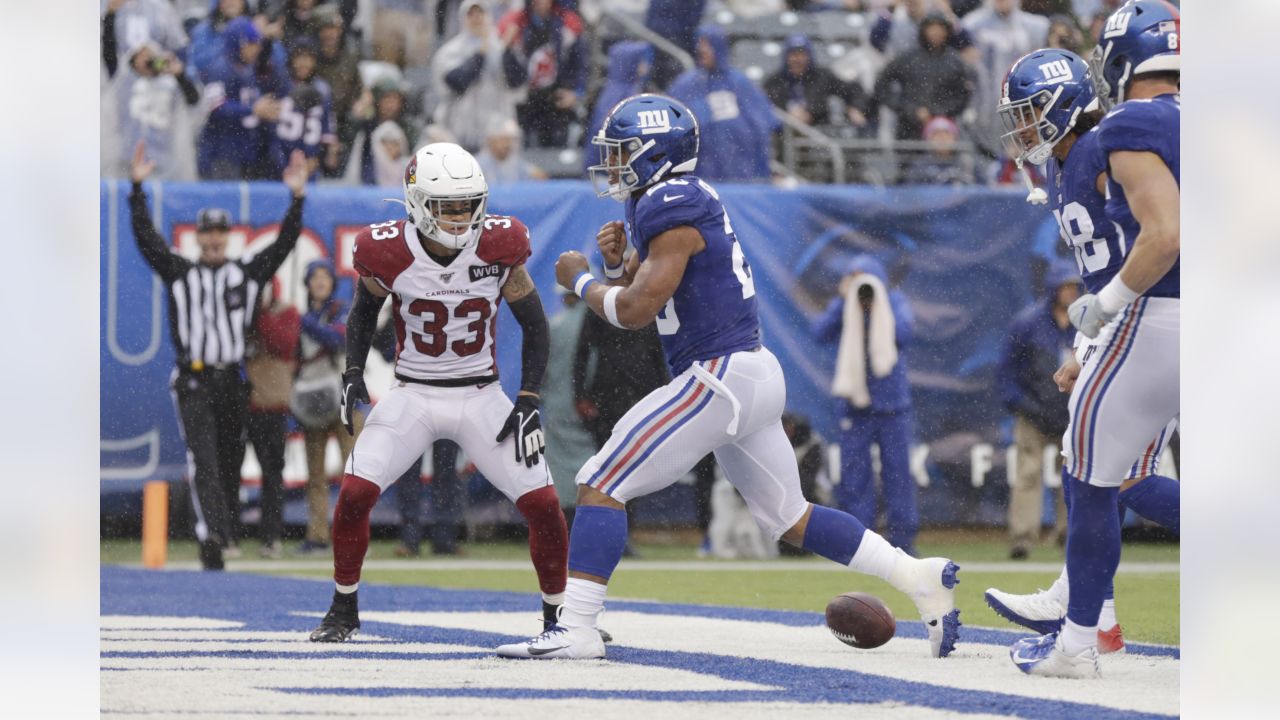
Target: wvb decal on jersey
x,y
479,272
654,121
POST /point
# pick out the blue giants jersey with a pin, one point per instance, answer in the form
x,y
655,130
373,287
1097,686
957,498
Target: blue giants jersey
x,y
1081,211
713,311
1153,126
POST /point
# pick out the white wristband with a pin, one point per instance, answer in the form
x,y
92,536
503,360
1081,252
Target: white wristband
x,y
611,306
580,285
614,272
1115,296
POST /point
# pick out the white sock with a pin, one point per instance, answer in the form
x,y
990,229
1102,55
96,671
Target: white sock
x,y
875,556
553,598
1077,638
346,589
1107,619
583,602
1061,588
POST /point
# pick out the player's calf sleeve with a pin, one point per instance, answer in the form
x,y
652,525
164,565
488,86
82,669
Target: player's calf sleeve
x,y
1093,549
597,540
356,499
1156,498
548,538
833,534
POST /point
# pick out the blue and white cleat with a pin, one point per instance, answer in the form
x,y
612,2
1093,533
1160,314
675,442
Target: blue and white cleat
x,y
1045,657
930,583
1041,611
558,641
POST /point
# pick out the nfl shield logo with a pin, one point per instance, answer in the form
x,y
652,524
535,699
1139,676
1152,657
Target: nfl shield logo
x,y
446,277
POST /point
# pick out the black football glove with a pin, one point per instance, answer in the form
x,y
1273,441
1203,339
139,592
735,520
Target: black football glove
x,y
526,422
353,393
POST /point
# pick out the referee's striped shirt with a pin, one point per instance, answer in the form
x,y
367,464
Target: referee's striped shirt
x,y
211,308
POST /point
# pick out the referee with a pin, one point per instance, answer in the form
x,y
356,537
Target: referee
x,y
211,308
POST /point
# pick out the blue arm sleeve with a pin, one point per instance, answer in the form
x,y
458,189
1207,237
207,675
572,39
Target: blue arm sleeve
x,y
904,320
323,332
576,68
880,33
1129,127
1011,355
827,327
514,68
461,77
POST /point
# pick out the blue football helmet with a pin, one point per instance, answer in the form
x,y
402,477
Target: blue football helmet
x,y
1044,93
645,139
1140,37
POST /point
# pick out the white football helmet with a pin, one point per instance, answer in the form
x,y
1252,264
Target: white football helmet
x,y
440,173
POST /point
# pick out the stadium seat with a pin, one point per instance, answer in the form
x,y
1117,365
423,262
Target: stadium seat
x,y
757,59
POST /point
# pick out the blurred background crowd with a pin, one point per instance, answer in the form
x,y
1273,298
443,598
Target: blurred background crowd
x,y
843,91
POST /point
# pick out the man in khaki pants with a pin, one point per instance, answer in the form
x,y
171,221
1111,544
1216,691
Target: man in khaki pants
x,y
1040,339
317,392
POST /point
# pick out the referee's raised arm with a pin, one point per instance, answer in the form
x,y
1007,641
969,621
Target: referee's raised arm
x,y
168,265
266,262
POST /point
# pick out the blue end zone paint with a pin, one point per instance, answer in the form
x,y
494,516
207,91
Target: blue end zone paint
x,y
270,603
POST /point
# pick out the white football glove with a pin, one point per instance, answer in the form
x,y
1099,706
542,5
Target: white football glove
x,y
1088,315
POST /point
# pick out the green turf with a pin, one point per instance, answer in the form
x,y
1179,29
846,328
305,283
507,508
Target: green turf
x,y
1148,603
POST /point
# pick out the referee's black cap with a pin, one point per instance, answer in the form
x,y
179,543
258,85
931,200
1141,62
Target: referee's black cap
x,y
213,219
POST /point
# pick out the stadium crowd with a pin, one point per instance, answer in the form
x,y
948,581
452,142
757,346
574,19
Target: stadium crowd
x,y
227,89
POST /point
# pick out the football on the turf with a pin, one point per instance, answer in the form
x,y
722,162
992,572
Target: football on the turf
x,y
860,620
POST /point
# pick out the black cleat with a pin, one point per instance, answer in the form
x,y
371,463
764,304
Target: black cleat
x,y
550,613
211,555
341,623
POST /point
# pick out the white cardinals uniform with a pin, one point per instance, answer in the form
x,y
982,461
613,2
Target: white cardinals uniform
x,y
446,361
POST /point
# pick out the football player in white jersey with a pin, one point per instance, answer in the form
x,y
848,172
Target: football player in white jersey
x,y
446,268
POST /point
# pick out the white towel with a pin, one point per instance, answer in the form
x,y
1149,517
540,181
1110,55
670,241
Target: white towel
x,y
851,372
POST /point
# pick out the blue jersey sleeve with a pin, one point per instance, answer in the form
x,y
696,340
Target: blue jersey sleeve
x,y
1137,126
666,206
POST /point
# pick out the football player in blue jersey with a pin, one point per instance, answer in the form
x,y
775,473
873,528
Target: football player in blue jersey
x,y
1128,389
688,273
1050,111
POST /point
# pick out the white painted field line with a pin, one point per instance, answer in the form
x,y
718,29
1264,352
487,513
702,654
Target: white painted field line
x,y
1131,568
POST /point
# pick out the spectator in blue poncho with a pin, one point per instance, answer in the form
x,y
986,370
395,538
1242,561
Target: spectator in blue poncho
x,y
243,96
735,118
676,21
207,41
629,65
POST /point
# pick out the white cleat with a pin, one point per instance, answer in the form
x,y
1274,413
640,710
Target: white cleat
x,y
558,641
930,583
1041,611
1044,656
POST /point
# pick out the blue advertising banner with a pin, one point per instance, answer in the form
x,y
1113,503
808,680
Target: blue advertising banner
x,y
967,259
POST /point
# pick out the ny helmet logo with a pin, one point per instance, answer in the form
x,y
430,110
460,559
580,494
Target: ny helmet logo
x,y
654,121
1056,71
1117,25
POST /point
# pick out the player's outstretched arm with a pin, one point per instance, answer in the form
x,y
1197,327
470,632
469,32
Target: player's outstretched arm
x,y
656,280
526,306
525,421
1154,197
362,321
